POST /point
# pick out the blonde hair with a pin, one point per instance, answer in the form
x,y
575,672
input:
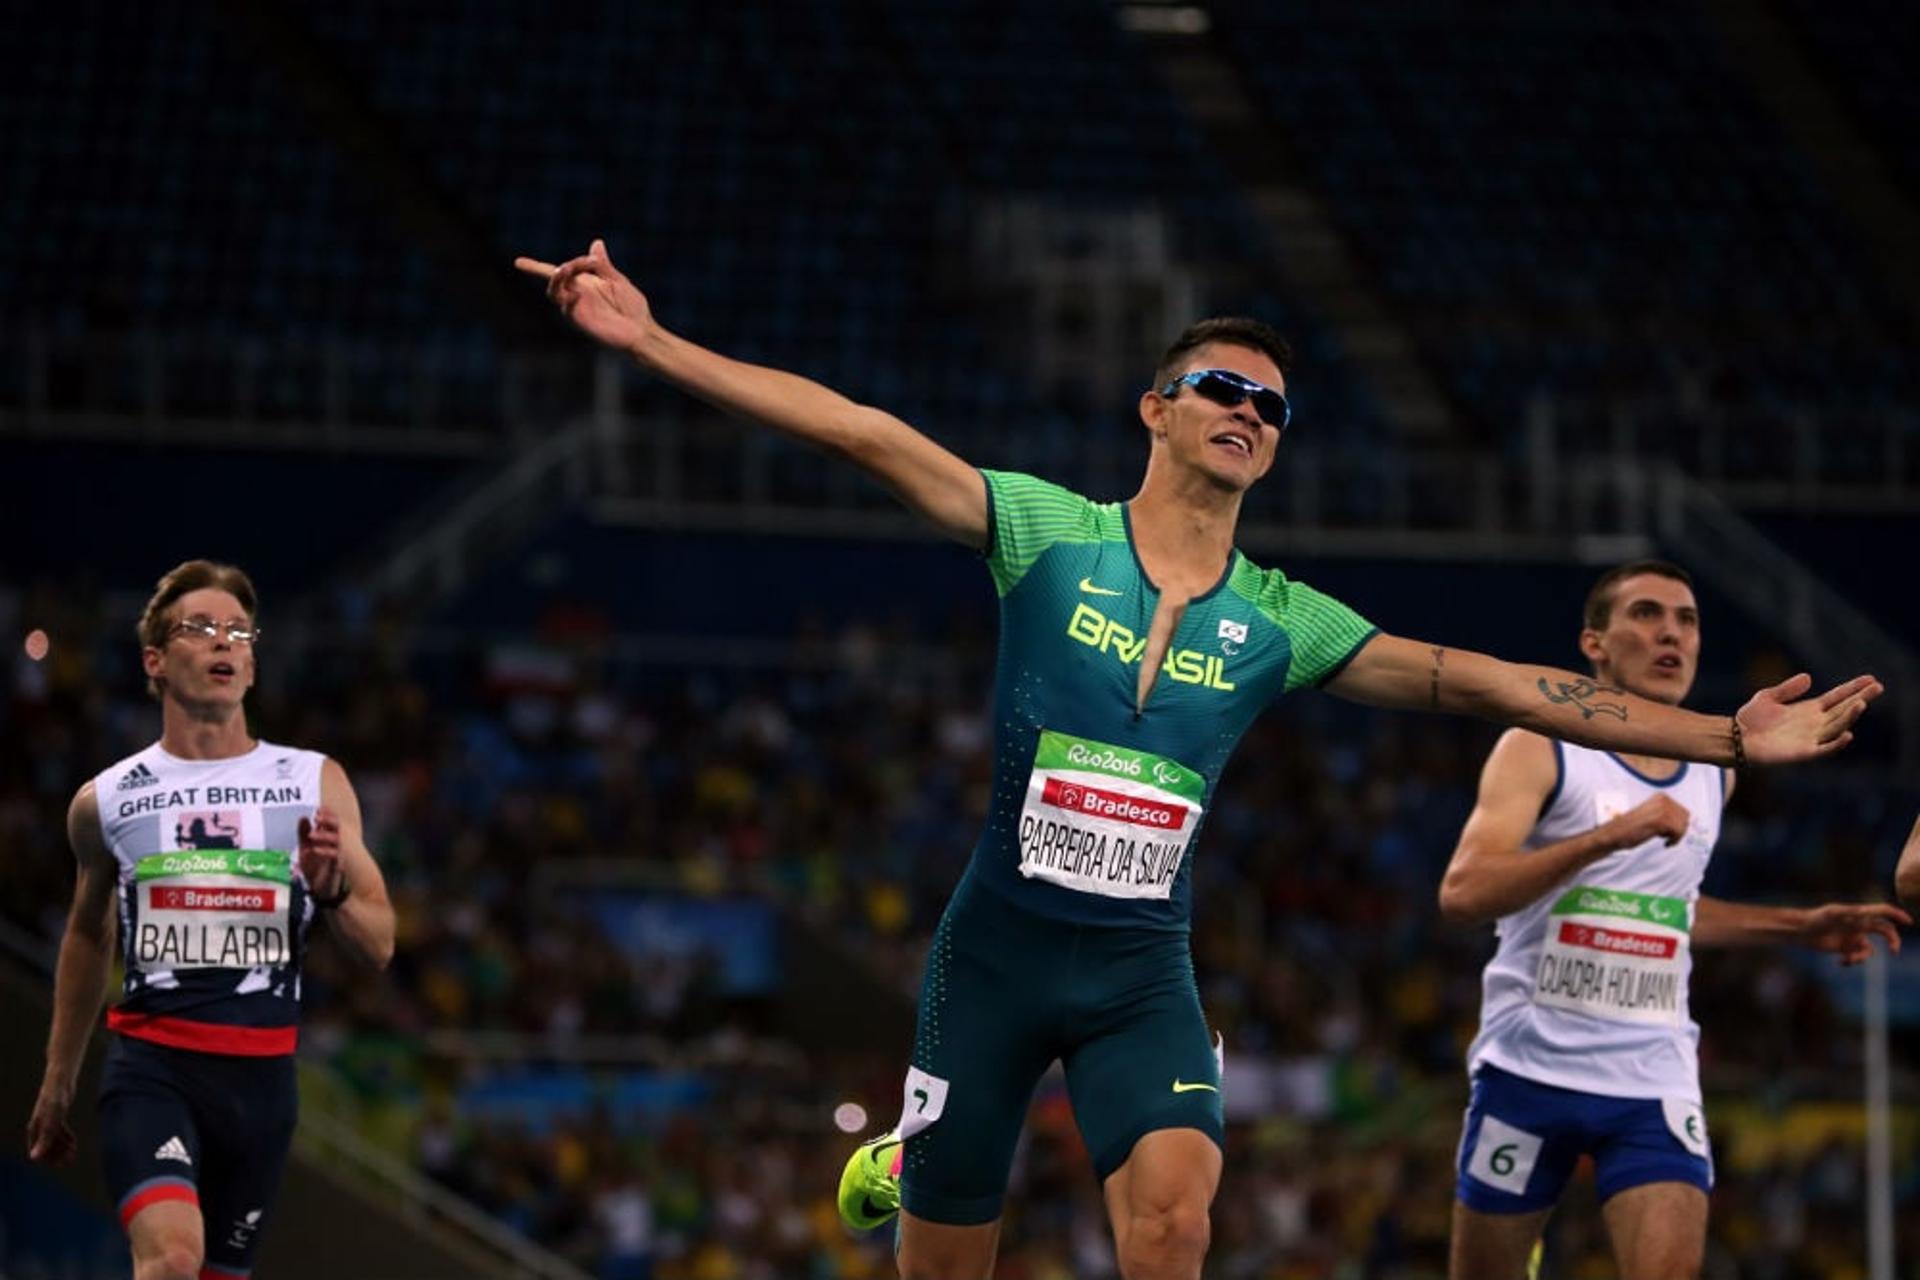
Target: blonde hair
x,y
156,622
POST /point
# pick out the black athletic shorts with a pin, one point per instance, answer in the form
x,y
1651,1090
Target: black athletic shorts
x,y
208,1129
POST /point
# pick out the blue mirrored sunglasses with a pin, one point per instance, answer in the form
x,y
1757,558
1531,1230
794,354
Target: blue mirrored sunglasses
x,y
1225,387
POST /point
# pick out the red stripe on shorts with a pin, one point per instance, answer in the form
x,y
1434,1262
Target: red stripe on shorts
x,y
154,1195
205,1037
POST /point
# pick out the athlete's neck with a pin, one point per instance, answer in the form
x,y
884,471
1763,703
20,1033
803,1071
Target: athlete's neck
x,y
1652,766
197,733
1183,529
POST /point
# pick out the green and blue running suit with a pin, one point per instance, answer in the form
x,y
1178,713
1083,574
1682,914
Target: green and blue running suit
x,y
1067,936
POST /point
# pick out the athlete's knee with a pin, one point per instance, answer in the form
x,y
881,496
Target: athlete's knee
x,y
1684,1265
1166,1242
173,1260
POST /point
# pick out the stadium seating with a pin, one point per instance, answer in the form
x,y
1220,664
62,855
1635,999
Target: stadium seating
x,y
1584,201
487,767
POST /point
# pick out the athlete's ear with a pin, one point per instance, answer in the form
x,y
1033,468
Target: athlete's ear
x,y
153,661
1154,411
1591,647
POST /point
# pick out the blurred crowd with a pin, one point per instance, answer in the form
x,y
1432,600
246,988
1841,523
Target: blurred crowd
x,y
844,784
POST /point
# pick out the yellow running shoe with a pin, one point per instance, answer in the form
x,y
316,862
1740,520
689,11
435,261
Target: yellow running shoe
x,y
870,1184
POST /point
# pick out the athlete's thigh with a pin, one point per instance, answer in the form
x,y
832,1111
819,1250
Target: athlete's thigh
x,y
1143,1060
985,1035
1166,1165
151,1149
1493,1246
1658,1229
1653,1172
249,1112
1169,1172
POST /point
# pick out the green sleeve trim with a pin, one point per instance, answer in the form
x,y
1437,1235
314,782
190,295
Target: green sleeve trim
x,y
1349,656
993,506
1027,515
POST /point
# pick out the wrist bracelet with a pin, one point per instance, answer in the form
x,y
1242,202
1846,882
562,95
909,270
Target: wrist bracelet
x,y
1739,743
328,904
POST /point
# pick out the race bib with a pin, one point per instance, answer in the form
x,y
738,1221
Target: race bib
x,y
1616,955
212,909
1504,1156
924,1103
1105,819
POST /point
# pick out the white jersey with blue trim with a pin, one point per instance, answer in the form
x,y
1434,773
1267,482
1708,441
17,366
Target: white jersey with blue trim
x,y
1588,989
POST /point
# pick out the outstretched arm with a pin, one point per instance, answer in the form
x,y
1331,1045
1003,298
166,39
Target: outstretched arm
x,y
1779,725
1906,876
932,482
1847,929
79,981
1492,875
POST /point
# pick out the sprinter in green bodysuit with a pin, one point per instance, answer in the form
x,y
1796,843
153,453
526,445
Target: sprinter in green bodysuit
x,y
1136,646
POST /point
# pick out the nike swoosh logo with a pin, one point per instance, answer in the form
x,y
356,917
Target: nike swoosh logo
x,y
1181,1086
1086,585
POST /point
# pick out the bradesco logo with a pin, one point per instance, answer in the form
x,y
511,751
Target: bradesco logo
x,y
177,898
1617,941
1096,802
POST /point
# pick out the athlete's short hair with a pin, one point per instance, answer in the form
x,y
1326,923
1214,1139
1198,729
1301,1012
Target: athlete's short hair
x,y
1240,331
1599,608
156,620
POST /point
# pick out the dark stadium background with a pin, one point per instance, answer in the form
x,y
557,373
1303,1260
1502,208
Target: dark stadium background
x,y
670,735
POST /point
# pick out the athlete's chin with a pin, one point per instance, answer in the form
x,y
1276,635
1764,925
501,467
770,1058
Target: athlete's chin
x,y
1232,478
1670,690
216,703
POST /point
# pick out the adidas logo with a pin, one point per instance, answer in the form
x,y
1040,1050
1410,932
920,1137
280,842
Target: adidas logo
x,y
173,1149
137,777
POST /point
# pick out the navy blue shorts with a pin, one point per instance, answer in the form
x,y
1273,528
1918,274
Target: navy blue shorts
x,y
1523,1139
203,1128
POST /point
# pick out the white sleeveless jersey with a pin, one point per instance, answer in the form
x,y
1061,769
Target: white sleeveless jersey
x,y
1588,989
213,909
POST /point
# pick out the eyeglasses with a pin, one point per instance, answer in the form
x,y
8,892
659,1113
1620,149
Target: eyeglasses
x,y
200,627
1223,386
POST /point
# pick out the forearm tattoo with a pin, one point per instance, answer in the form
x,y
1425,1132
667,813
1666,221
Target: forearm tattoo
x,y
1433,692
1586,695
